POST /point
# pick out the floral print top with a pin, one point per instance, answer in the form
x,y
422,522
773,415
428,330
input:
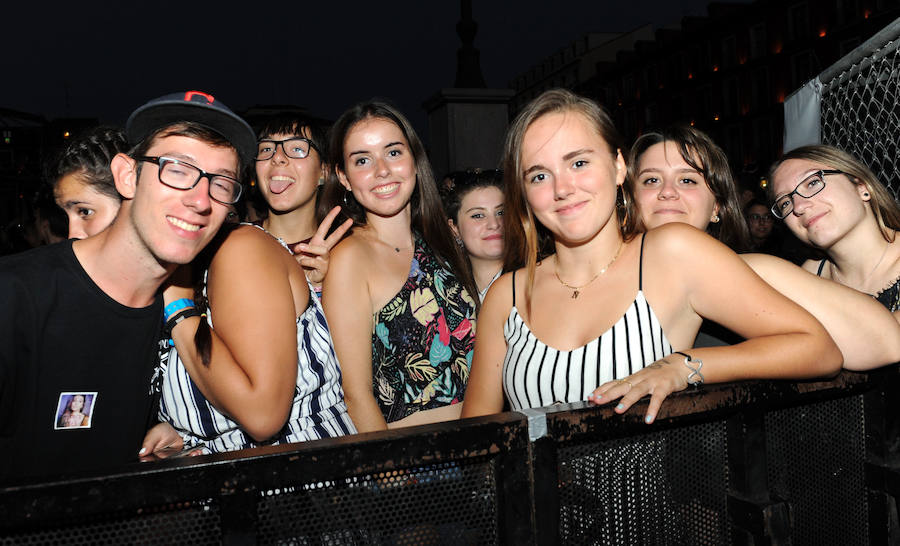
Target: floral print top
x,y
423,340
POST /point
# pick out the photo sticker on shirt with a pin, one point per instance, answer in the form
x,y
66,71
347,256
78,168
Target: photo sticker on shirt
x,y
74,410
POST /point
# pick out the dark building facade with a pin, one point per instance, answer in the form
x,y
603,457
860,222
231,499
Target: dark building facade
x,y
729,73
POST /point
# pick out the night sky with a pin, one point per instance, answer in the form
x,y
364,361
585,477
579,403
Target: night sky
x,y
75,59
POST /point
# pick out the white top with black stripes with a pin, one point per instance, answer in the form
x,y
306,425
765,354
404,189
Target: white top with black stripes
x,y
537,375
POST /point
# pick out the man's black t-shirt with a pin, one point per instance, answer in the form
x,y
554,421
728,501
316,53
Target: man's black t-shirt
x,y
75,368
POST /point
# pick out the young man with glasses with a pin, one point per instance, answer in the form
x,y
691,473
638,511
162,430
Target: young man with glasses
x,y
83,318
261,369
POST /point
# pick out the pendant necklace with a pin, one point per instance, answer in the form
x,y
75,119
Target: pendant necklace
x,y
397,249
840,279
576,290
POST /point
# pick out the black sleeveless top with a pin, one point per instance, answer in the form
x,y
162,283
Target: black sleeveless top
x,y
889,297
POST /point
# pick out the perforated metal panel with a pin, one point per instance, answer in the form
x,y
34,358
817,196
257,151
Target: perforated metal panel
x,y
445,503
669,487
184,523
815,456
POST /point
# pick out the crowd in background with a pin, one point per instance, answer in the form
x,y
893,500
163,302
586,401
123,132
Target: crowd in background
x,y
41,221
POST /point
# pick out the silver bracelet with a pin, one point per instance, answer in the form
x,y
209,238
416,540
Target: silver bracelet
x,y
695,378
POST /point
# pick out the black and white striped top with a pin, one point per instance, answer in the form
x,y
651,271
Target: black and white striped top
x,y
318,409
537,375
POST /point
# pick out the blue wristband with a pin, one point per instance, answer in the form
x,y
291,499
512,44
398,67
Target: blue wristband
x,y
176,306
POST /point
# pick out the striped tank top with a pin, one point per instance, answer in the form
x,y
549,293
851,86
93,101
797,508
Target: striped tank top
x,y
537,375
317,411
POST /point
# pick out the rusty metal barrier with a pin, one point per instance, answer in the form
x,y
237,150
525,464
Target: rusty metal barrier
x,y
748,463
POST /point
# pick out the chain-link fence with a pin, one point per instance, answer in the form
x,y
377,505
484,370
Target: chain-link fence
x,y
860,104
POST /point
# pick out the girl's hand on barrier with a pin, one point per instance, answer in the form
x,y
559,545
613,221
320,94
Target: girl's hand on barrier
x,y
161,440
659,379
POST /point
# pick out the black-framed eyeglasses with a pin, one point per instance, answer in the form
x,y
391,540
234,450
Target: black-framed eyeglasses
x,y
295,148
180,175
808,187
761,218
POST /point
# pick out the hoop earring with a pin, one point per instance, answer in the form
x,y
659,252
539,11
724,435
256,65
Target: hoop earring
x,y
622,205
621,199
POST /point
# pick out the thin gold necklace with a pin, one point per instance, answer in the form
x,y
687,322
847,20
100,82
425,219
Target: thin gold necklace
x,y
577,289
840,278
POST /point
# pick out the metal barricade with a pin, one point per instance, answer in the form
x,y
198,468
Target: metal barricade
x,y
747,463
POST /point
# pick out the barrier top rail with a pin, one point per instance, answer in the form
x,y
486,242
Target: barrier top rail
x,y
424,444
884,42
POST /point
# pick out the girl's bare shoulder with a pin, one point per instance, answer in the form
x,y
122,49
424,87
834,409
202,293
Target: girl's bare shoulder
x,y
247,245
352,249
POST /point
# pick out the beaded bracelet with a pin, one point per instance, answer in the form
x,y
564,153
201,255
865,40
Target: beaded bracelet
x,y
695,378
176,306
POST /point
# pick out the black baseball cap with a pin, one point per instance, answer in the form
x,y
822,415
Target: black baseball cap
x,y
197,107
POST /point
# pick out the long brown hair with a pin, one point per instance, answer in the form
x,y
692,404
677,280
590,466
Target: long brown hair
x,y
526,240
707,158
884,206
427,211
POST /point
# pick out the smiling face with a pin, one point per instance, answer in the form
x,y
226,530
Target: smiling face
x,y
826,217
760,221
479,223
667,189
379,167
570,176
89,211
288,183
175,225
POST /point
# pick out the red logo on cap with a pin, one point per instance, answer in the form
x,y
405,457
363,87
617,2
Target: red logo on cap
x,y
191,94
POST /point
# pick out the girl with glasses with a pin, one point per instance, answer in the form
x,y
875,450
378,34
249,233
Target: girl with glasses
x,y
670,168
398,295
833,202
594,311
290,169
